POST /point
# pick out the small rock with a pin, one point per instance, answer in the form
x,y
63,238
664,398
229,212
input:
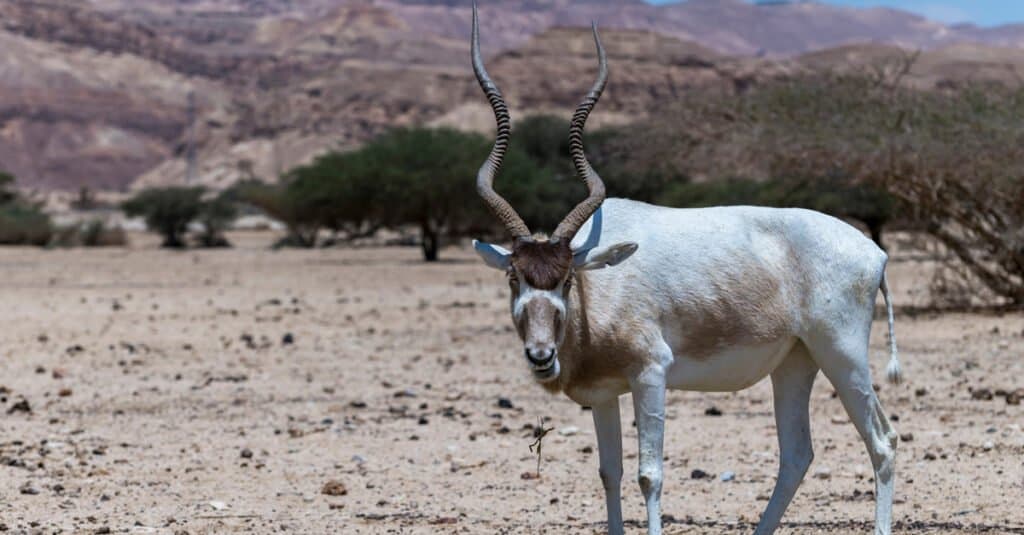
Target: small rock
x,y
712,411
699,474
334,488
218,505
921,392
568,431
21,406
28,489
423,420
907,437
929,456
357,404
64,392
988,445
1014,398
505,403
823,473
982,394
246,453
288,339
727,476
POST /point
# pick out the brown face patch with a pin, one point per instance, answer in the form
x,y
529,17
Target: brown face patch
x,y
542,264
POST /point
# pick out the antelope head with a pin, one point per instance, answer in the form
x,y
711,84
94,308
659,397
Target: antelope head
x,y
541,269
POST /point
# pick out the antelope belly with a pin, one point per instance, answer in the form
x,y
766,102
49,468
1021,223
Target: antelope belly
x,y
729,370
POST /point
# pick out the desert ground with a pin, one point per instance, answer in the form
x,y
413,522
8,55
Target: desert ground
x,y
363,391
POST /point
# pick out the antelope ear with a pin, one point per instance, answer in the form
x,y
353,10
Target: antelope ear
x,y
493,255
605,256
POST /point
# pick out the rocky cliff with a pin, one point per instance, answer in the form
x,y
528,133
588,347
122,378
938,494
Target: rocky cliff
x,y
95,93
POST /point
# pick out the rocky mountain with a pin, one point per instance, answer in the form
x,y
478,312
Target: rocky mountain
x,y
96,92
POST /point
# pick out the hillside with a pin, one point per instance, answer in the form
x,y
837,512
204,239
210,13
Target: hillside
x,y
95,93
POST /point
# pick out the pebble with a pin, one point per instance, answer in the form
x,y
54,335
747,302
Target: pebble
x,y
218,505
988,445
21,406
712,411
334,488
699,474
246,453
727,476
981,394
568,431
505,403
823,473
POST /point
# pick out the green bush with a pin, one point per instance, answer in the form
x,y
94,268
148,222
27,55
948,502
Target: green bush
x,y
169,211
94,233
24,223
216,217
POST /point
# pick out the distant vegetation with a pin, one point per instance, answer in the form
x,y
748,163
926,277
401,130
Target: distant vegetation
x,y
22,222
409,178
858,146
169,211
862,147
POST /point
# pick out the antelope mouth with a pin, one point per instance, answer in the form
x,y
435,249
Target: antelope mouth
x,y
546,372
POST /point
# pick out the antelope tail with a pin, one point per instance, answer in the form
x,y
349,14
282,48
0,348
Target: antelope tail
x,y
893,371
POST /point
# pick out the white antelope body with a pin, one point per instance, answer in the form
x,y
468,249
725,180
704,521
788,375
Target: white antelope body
x,y
647,298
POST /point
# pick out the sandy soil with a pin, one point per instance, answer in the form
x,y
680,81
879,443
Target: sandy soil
x,y
163,397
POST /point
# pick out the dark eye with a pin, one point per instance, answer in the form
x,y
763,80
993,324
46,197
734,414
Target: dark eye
x,y
513,282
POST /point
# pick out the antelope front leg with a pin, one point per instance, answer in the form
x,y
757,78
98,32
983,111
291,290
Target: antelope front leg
x,y
649,405
609,447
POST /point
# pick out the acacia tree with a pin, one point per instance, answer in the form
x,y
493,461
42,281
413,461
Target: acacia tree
x,y
958,159
282,203
170,210
425,177
339,192
216,216
167,211
860,145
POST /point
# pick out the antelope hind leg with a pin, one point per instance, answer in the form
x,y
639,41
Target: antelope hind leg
x,y
844,360
791,386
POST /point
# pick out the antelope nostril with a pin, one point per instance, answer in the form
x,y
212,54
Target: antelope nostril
x,y
539,357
